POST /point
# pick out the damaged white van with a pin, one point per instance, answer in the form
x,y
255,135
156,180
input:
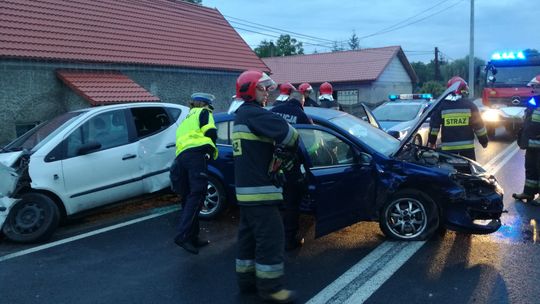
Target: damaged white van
x,y
84,159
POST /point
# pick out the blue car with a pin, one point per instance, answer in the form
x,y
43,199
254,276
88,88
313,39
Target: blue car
x,y
357,172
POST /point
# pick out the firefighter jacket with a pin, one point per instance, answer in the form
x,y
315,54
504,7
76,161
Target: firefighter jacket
x,y
458,121
197,132
256,131
310,103
529,137
292,112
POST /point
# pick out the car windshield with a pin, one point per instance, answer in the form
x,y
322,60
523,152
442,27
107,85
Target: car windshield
x,y
377,139
396,112
42,133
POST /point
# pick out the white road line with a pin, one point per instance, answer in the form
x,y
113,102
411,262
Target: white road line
x,y
85,235
358,283
492,161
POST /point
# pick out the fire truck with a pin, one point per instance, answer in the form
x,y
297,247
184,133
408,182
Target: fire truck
x,y
505,94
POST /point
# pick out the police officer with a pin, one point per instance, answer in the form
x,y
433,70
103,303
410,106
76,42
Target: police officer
x,y
195,144
458,119
326,99
260,233
285,90
306,90
529,139
294,188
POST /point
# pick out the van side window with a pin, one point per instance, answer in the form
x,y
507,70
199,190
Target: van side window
x,y
223,133
150,120
108,129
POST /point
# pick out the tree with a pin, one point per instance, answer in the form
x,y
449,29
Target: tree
x,y
432,87
284,46
336,47
354,42
194,1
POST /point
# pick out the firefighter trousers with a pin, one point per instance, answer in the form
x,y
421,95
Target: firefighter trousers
x,y
192,182
260,249
532,172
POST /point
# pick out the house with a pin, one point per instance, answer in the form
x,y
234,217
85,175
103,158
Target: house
x,y
367,75
57,56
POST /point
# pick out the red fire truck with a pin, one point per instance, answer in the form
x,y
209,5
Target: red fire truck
x,y
506,93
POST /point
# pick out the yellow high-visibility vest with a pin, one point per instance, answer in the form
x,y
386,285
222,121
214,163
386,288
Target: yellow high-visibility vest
x,y
190,135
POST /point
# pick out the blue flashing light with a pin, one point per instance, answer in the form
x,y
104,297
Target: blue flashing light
x,y
532,102
508,56
427,96
393,97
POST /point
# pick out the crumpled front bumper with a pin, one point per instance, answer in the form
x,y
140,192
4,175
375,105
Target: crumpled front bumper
x,y
476,215
5,206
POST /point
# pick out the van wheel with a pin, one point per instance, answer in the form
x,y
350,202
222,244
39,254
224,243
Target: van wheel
x,y
409,215
33,219
216,200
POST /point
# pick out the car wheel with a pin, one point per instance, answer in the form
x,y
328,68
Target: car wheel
x,y
33,219
418,140
215,201
409,215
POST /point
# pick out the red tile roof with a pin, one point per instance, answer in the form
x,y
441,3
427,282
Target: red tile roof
x,y
101,88
154,32
363,65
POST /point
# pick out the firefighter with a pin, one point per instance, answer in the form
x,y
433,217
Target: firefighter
x,y
294,188
306,90
326,99
285,90
260,259
195,144
458,120
529,139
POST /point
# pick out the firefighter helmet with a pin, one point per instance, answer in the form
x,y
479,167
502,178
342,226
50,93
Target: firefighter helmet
x,y
305,87
463,88
249,81
325,91
285,90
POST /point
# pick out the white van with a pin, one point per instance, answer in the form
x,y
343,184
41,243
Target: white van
x,y
84,159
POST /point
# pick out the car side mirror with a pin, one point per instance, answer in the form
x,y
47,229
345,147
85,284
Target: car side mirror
x,y
363,158
88,148
393,133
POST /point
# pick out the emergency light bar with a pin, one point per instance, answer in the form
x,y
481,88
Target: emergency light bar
x,y
508,55
409,96
532,102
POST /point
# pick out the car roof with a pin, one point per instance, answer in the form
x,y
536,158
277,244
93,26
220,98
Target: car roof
x,y
415,102
315,113
129,106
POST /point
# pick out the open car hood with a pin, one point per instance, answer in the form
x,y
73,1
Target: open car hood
x,y
436,104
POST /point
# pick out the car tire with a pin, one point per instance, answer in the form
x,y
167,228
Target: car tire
x,y
33,219
216,199
418,140
409,215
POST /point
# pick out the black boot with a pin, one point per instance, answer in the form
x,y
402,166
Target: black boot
x,y
523,196
282,296
294,243
187,245
200,243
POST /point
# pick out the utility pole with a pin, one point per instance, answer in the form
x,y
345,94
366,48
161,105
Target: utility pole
x,y
471,53
437,68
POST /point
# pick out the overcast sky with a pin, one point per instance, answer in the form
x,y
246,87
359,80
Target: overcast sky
x,y
504,25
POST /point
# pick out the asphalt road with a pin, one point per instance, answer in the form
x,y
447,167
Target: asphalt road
x,y
139,263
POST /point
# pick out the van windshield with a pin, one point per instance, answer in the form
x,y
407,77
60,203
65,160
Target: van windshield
x,y
41,133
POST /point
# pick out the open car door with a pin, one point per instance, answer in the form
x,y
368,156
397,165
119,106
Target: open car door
x,y
340,178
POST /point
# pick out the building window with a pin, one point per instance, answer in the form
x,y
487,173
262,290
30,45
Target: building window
x,y
22,128
347,97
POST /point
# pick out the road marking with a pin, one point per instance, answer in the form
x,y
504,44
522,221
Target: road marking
x,y
490,163
88,234
358,283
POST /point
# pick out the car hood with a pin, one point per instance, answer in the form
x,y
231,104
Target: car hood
x,y
414,129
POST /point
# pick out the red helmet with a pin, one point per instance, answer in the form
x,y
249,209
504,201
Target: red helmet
x,y
535,82
325,91
248,81
304,87
463,86
285,90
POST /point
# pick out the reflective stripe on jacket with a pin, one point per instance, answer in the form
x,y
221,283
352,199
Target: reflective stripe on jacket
x,y
255,133
531,129
191,135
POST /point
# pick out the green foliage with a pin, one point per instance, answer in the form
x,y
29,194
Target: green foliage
x,y
354,42
194,1
433,87
337,47
284,46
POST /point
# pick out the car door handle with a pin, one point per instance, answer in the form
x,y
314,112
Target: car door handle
x,y
170,146
129,156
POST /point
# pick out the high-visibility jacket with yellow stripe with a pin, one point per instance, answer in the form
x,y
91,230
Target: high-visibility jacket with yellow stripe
x,y
256,131
458,121
531,128
190,134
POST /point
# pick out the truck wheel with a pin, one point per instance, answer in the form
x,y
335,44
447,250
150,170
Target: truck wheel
x,y
216,200
33,219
